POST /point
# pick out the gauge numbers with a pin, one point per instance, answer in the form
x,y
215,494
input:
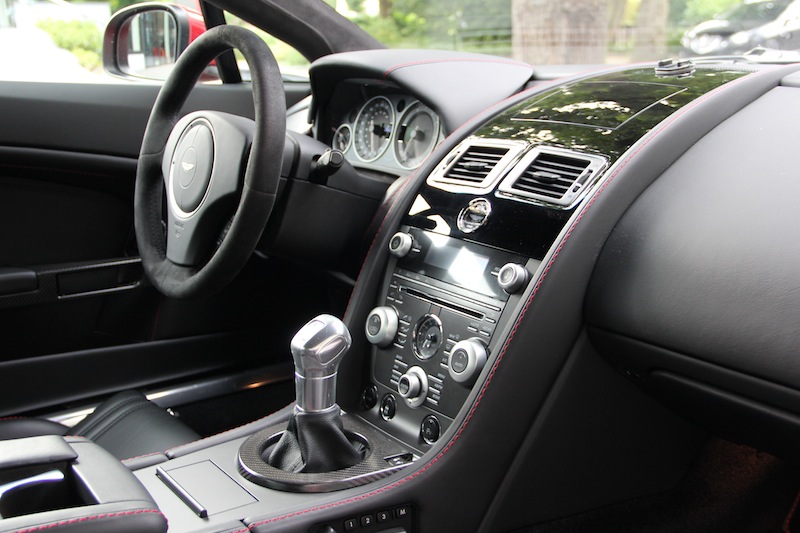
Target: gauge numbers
x,y
416,135
373,128
342,138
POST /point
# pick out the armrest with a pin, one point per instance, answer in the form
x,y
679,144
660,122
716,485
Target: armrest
x,y
71,485
42,450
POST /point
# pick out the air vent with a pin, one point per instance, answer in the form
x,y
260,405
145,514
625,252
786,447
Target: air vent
x,y
551,176
475,165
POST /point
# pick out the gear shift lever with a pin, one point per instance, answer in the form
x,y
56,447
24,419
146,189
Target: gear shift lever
x,y
315,440
317,350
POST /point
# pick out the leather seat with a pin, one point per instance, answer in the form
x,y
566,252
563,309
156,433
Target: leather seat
x,y
127,425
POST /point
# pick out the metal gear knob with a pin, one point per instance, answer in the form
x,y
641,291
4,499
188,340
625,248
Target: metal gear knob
x,y
317,350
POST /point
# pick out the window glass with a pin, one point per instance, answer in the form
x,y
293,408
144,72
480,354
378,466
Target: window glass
x,y
61,40
290,61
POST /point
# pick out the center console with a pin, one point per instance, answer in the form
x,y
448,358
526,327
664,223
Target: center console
x,y
443,300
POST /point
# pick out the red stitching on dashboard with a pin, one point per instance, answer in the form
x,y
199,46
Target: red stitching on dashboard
x,y
86,519
787,526
454,60
661,128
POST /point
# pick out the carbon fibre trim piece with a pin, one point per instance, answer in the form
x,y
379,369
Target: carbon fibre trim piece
x,y
375,465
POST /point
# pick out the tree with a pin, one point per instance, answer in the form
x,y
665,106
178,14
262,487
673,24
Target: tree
x,y
559,31
651,30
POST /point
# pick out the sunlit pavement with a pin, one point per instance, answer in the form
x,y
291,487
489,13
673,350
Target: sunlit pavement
x,y
30,55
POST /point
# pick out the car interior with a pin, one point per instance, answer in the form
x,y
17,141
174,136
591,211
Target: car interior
x,y
420,291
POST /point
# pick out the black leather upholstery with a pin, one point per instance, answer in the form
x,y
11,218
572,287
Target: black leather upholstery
x,y
315,442
127,425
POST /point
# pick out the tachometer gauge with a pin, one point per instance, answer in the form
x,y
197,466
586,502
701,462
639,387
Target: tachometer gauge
x,y
416,135
342,138
373,129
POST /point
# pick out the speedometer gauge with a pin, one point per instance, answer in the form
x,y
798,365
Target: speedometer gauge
x,y
373,128
416,136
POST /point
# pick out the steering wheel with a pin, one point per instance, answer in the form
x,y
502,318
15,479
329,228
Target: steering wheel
x,y
219,172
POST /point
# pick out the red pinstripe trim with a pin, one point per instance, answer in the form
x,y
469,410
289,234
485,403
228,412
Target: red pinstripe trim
x,y
455,60
660,128
787,524
86,519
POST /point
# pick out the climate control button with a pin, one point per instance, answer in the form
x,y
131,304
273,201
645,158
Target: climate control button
x,y
513,277
381,326
467,359
413,386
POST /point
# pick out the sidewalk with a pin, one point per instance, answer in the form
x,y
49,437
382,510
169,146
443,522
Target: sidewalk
x,y
30,55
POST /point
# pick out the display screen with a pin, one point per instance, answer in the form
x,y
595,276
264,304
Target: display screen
x,y
601,104
465,264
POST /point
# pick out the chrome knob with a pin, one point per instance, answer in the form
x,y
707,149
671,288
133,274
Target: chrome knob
x,y
513,277
467,359
317,350
400,244
413,386
381,326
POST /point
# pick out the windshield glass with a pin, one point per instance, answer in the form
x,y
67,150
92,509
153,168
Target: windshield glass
x,y
551,32
61,40
755,11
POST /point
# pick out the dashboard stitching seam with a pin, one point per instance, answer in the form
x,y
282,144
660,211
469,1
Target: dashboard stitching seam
x,y
787,522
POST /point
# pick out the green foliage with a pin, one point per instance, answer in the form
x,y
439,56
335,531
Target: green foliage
x,y
697,11
82,38
116,5
89,59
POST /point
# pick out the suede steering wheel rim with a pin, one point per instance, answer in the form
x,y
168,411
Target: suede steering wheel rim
x,y
169,158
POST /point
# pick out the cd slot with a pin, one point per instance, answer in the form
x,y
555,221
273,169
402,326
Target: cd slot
x,y
442,303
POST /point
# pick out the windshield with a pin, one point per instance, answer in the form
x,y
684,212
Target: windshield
x,y
756,11
61,40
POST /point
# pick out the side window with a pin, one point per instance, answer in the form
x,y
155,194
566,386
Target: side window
x,y
49,41
291,62
62,41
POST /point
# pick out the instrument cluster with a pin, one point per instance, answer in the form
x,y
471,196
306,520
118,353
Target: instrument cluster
x,y
391,131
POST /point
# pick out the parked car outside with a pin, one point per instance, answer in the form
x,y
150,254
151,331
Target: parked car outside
x,y
767,23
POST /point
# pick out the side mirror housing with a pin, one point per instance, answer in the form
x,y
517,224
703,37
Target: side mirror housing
x,y
145,40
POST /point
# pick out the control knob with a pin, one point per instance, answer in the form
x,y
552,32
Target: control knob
x,y
381,326
400,244
467,359
513,277
413,386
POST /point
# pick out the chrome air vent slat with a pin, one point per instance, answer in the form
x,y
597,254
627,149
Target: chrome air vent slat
x,y
552,176
476,165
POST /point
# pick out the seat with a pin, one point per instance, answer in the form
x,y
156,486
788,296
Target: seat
x,y
127,425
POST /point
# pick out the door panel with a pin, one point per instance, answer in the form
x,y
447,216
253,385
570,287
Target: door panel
x,y
77,317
